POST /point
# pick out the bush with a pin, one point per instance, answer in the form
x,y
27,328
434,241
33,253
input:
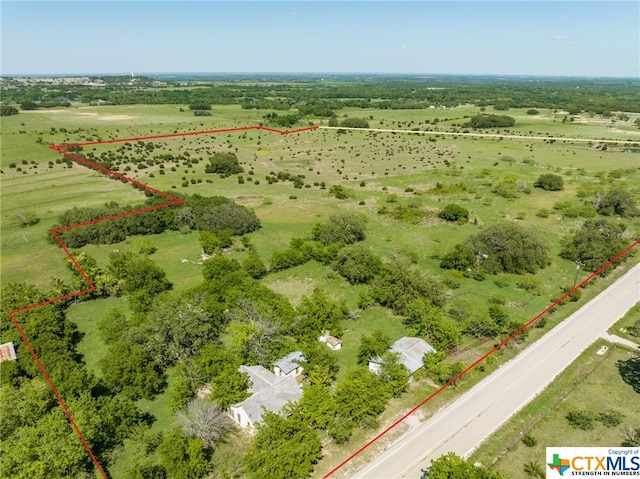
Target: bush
x,y
7,110
341,229
610,418
529,441
454,212
357,263
584,420
339,192
224,163
549,182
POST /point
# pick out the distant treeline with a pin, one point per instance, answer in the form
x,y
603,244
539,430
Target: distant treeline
x,y
314,96
214,214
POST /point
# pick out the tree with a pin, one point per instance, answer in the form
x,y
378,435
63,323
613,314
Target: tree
x,y
453,212
460,258
340,192
341,229
224,163
357,263
319,313
8,110
229,386
183,458
283,447
595,243
354,123
616,202
398,285
128,367
374,345
206,421
549,182
394,374
426,320
253,265
510,248
451,466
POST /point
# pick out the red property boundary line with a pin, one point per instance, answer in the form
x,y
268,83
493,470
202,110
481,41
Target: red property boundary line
x,y
172,201
485,356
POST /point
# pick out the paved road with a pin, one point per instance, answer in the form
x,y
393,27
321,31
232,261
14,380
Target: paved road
x,y
465,423
612,338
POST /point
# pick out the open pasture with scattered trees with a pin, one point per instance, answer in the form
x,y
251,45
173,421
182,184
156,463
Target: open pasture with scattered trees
x,y
403,219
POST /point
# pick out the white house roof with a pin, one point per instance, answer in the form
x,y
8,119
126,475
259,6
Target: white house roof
x,y
290,362
269,391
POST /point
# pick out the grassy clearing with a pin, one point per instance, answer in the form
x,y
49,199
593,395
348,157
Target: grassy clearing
x,y
592,382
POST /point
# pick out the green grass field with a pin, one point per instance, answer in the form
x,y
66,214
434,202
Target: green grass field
x,y
380,169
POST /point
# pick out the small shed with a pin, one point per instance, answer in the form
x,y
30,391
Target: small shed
x,y
334,343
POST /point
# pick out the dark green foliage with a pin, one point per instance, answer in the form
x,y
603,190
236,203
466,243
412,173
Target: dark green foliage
x,y
453,212
430,322
340,192
617,202
610,417
529,440
321,365
398,285
595,243
394,375
212,242
199,106
183,458
460,258
630,371
219,267
299,252
341,229
224,163
451,466
357,263
129,368
532,111
486,120
8,110
142,278
534,469
441,371
359,397
317,314
354,123
372,346
510,248
253,265
215,214
283,447
281,120
584,420
549,182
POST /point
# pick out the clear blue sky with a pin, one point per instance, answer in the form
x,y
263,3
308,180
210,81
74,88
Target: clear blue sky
x,y
574,38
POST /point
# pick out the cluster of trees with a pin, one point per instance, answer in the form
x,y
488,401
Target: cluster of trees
x,y
37,439
354,123
8,110
487,120
214,214
502,248
317,96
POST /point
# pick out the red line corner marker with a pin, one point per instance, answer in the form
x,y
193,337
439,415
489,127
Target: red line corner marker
x,y
62,149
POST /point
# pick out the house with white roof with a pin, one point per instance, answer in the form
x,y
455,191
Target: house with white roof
x,y
410,353
268,392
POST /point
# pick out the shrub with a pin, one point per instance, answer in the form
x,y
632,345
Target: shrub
x,y
584,420
223,163
354,123
610,417
529,441
453,212
357,263
549,182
